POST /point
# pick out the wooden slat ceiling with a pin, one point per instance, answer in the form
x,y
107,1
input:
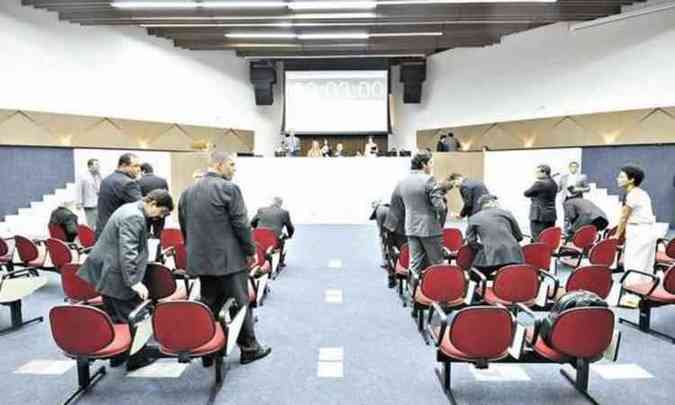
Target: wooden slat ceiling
x,y
461,25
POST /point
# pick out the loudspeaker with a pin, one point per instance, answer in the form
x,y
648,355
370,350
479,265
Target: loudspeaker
x,y
413,74
263,76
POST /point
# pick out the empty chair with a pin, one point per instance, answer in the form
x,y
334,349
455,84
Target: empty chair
x,y
30,254
401,271
162,285
15,285
514,284
86,236
594,278
666,257
262,264
604,252
7,254
269,242
452,241
581,243
551,236
610,233
538,255
654,293
170,237
259,275
77,290
465,257
59,253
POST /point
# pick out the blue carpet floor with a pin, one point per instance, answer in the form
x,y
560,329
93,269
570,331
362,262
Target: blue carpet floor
x,y
385,360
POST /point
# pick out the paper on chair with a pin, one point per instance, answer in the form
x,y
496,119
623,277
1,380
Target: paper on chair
x,y
543,293
143,334
614,295
470,290
516,347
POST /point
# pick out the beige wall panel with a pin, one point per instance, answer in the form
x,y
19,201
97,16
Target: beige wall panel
x,y
657,126
172,138
469,164
497,137
183,164
107,133
62,126
19,129
565,132
4,114
142,131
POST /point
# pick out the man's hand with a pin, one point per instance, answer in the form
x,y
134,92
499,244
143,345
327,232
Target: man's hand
x,y
141,290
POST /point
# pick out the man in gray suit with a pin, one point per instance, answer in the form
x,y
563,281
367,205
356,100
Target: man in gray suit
x,y
277,219
493,234
118,189
542,195
379,215
424,209
573,184
87,192
471,191
394,228
220,249
117,263
579,212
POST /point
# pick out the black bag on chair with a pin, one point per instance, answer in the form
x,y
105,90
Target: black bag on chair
x,y
573,299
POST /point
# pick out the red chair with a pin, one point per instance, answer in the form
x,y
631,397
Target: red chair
x,y
594,278
452,242
476,335
401,271
444,284
7,254
86,333
162,285
604,252
170,237
30,254
538,255
258,279
77,290
269,242
187,330
57,232
86,236
654,293
465,256
59,253
262,265
552,237
514,284
610,233
15,285
666,257
581,243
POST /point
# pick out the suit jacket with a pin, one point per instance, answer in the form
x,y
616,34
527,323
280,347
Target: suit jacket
x,y
87,190
579,188
150,182
494,234
274,218
215,227
395,219
67,220
580,212
120,256
542,193
471,191
424,206
116,190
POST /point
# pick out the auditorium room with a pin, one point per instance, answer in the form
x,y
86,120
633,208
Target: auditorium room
x,y
309,202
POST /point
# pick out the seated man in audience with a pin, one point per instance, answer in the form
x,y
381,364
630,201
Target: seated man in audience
x,y
275,218
339,150
64,217
579,212
442,145
116,265
493,234
394,224
471,191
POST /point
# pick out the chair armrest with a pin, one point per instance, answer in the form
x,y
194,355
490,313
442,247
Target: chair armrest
x,y
136,315
444,321
483,280
655,279
19,272
556,282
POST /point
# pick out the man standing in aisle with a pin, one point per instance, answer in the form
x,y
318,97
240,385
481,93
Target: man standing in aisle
x,y
150,182
220,249
87,192
118,189
542,194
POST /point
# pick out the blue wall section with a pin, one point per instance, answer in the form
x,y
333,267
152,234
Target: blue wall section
x,y
602,165
28,173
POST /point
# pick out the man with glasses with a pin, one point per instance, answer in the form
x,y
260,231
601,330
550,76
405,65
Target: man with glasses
x,y
118,189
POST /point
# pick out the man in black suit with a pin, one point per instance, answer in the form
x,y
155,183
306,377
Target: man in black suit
x,y
442,145
542,195
471,191
149,182
579,212
118,189
394,225
220,248
277,219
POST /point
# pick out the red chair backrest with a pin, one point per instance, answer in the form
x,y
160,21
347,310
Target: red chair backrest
x,y
57,232
266,238
80,330
538,255
552,237
75,288
669,280
404,256
583,332
180,256
585,236
159,281
86,235
59,252
603,252
593,278
4,248
670,249
482,332
452,239
443,283
465,257
516,283
170,237
260,256
181,326
611,232
26,249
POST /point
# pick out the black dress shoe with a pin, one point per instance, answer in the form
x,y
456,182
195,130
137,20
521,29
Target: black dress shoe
x,y
134,363
117,361
392,283
249,356
207,361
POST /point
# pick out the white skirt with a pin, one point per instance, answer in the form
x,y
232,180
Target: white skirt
x,y
639,252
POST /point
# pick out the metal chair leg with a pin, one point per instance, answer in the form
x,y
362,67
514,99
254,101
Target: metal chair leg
x,y
17,318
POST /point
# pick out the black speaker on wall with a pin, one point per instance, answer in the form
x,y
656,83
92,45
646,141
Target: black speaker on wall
x,y
263,76
413,74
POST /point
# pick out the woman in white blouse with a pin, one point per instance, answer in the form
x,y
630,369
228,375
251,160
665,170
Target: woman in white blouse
x,y
637,220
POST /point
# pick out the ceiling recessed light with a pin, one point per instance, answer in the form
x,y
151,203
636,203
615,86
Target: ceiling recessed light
x,y
337,35
193,4
260,35
332,5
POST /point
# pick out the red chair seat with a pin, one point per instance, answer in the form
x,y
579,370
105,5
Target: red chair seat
x,y
543,349
658,295
400,270
450,350
120,344
422,299
179,294
492,299
661,258
216,343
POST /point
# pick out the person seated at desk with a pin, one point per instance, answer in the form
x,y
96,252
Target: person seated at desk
x,y
493,234
275,218
64,217
325,149
370,149
339,150
579,212
315,150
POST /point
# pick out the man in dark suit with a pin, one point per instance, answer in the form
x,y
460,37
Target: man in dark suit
x,y
471,191
220,248
442,145
493,234
394,227
149,182
579,212
424,209
118,188
379,215
116,265
542,195
277,219
64,217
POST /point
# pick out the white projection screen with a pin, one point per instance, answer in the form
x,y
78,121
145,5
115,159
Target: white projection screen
x,y
340,102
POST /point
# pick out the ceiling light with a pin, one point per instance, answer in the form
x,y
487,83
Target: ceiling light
x,y
192,4
405,34
345,35
257,45
382,55
243,4
322,16
257,35
429,2
332,5
333,24
153,4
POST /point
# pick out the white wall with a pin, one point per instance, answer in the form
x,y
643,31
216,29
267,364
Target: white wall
x,y
51,65
547,72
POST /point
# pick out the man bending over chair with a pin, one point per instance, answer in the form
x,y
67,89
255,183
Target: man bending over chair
x,y
275,218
